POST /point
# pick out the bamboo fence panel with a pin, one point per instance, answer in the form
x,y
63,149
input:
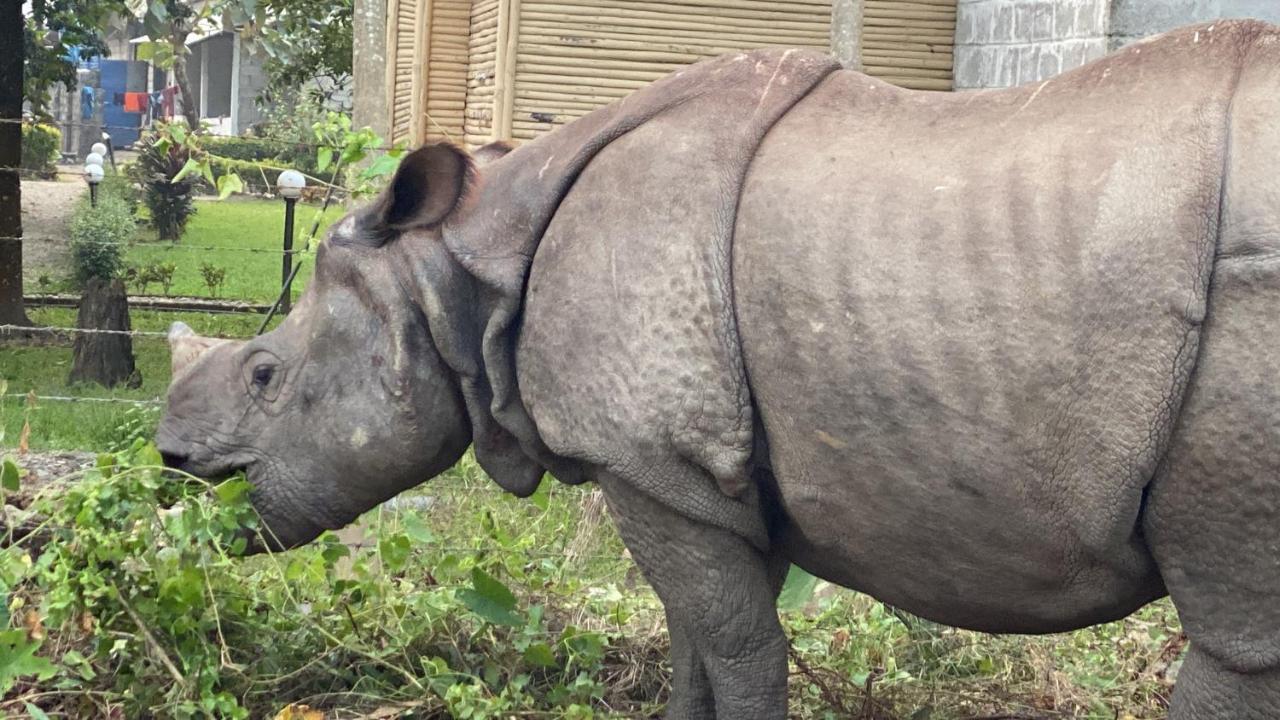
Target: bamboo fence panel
x,y
482,52
573,56
499,69
403,38
446,65
910,42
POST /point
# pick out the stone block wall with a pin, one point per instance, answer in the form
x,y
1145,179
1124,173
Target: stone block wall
x,y
1001,43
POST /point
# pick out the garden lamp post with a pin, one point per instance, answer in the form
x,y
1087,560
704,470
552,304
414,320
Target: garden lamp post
x,y
93,175
94,158
289,185
104,150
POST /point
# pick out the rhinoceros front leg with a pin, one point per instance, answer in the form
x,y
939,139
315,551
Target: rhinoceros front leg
x,y
729,654
691,694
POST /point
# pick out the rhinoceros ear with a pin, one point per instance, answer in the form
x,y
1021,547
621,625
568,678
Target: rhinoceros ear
x,y
429,184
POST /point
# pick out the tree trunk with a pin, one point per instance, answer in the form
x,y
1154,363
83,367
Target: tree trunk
x,y
11,50
178,40
106,359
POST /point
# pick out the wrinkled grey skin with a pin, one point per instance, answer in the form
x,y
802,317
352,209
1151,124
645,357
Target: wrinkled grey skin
x,y
1007,360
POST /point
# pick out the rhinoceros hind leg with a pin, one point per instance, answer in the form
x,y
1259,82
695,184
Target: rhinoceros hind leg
x,y
1213,515
1209,691
719,592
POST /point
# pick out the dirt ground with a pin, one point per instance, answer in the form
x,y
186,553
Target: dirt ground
x,y
46,216
42,468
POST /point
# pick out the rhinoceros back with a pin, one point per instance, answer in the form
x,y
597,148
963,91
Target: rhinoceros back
x,y
969,322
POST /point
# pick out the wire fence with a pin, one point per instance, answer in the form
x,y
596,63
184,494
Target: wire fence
x,y
265,142
62,332
57,330
162,245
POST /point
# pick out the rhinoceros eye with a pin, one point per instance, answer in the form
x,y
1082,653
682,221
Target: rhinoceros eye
x,y
262,375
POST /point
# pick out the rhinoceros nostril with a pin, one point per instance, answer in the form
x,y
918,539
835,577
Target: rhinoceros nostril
x,y
173,460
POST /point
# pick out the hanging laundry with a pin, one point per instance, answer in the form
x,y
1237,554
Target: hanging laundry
x,y
168,100
135,102
86,103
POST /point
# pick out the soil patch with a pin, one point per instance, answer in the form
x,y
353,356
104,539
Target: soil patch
x,y
46,220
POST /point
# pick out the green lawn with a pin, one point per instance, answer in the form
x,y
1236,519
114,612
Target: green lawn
x,y
243,225
88,425
235,224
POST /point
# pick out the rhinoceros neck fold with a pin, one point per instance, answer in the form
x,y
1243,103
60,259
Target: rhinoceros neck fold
x,y
722,108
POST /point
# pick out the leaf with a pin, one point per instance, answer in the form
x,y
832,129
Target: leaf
x,y
179,133
394,551
324,156
797,590
384,165
18,659
542,496
148,456
9,479
35,712
232,491
24,438
190,166
490,599
540,655
417,530
158,10
229,183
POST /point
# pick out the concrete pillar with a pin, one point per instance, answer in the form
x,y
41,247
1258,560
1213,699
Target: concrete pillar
x,y
235,84
369,102
204,81
846,32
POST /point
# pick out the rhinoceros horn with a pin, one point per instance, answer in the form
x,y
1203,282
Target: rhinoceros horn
x,y
185,346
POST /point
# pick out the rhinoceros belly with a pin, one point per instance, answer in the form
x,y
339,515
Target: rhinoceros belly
x,y
968,329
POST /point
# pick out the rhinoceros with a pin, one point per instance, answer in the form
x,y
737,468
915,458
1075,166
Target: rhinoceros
x,y
1008,360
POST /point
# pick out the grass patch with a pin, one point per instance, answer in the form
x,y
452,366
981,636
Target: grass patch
x,y
42,368
242,224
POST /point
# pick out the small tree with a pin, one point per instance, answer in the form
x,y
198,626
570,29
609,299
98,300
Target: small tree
x,y
162,154
171,21
98,237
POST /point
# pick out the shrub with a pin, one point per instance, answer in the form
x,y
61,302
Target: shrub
x,y
162,153
243,148
40,145
123,188
155,272
214,277
98,237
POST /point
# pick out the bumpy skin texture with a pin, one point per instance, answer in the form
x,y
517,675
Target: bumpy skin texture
x,y
986,351
1005,359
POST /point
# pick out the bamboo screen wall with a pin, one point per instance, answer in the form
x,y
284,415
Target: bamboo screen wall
x,y
502,69
909,42
402,52
443,92
575,55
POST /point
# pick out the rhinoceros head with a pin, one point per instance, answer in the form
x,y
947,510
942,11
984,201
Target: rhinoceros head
x,y
361,392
